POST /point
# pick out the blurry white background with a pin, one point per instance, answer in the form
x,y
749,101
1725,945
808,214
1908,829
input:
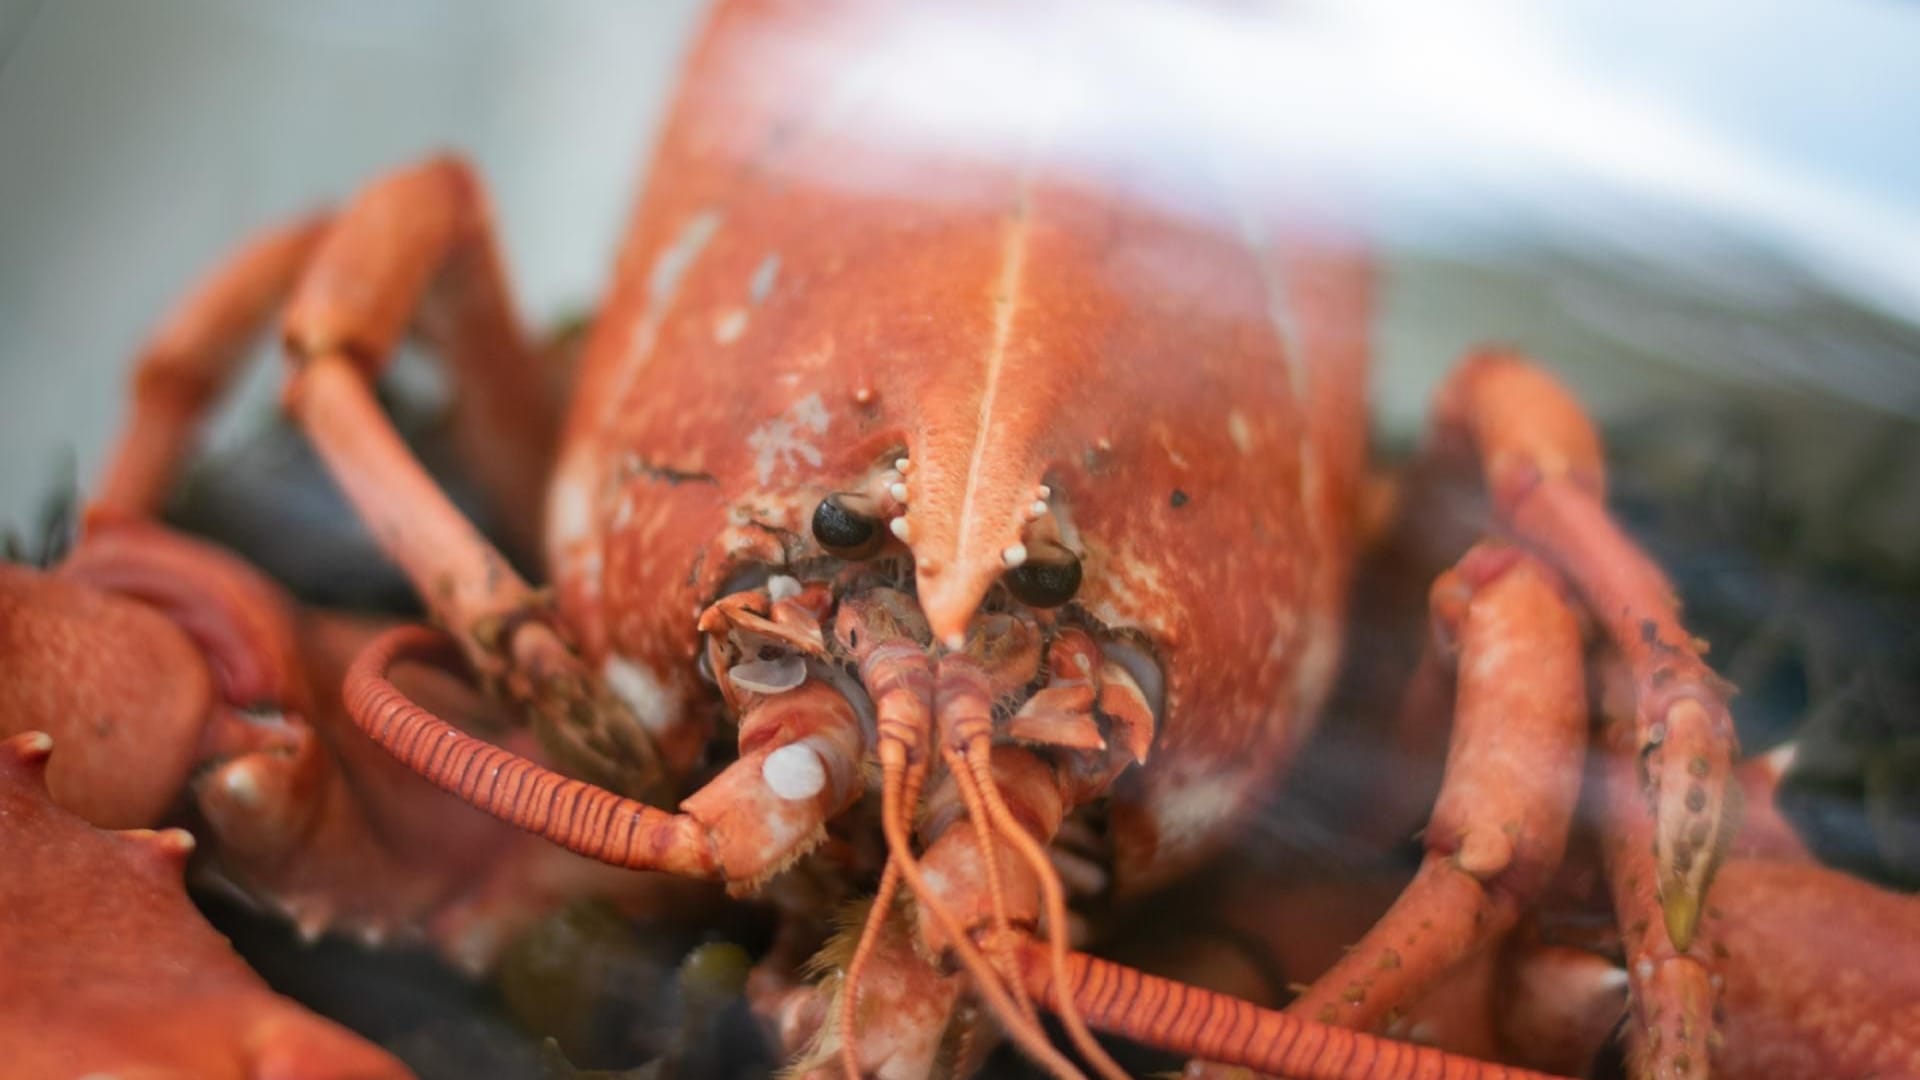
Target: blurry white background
x,y
1736,172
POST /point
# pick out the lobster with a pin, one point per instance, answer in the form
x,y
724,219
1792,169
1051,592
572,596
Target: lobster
x,y
966,516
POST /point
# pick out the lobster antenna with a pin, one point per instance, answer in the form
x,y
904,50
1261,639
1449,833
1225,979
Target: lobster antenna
x,y
877,916
983,833
979,760
870,935
986,982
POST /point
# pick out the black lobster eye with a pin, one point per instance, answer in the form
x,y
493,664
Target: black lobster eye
x,y
1049,577
843,530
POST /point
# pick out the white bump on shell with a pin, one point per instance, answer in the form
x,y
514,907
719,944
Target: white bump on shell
x,y
243,785
1015,555
794,772
898,491
899,527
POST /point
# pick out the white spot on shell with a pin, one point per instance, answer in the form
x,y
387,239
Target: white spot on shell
x,y
781,442
243,785
729,325
1240,432
782,586
902,466
1015,555
1193,806
899,527
794,772
654,704
1038,509
572,509
898,491
673,263
775,676
760,285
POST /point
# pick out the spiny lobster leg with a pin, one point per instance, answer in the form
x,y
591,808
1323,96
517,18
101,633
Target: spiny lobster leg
x,y
1542,463
419,241
190,359
1512,777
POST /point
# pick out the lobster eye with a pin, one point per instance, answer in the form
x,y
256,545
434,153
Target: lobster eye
x,y
1048,578
843,530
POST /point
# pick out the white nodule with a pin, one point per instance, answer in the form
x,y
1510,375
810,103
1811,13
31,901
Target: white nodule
x,y
1015,555
243,785
1038,509
898,491
781,587
901,529
794,772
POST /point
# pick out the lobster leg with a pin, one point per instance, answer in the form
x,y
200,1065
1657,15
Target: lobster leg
x,y
419,241
1541,460
190,359
1500,826
1673,991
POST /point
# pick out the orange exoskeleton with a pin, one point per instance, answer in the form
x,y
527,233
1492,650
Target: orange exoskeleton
x,y
959,494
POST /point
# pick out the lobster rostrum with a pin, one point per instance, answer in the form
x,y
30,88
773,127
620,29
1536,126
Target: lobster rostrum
x,y
972,517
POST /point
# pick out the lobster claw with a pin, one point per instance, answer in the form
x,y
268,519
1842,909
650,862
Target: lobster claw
x,y
116,952
116,683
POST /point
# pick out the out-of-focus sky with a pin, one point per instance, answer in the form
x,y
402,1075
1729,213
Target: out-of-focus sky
x,y
137,140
